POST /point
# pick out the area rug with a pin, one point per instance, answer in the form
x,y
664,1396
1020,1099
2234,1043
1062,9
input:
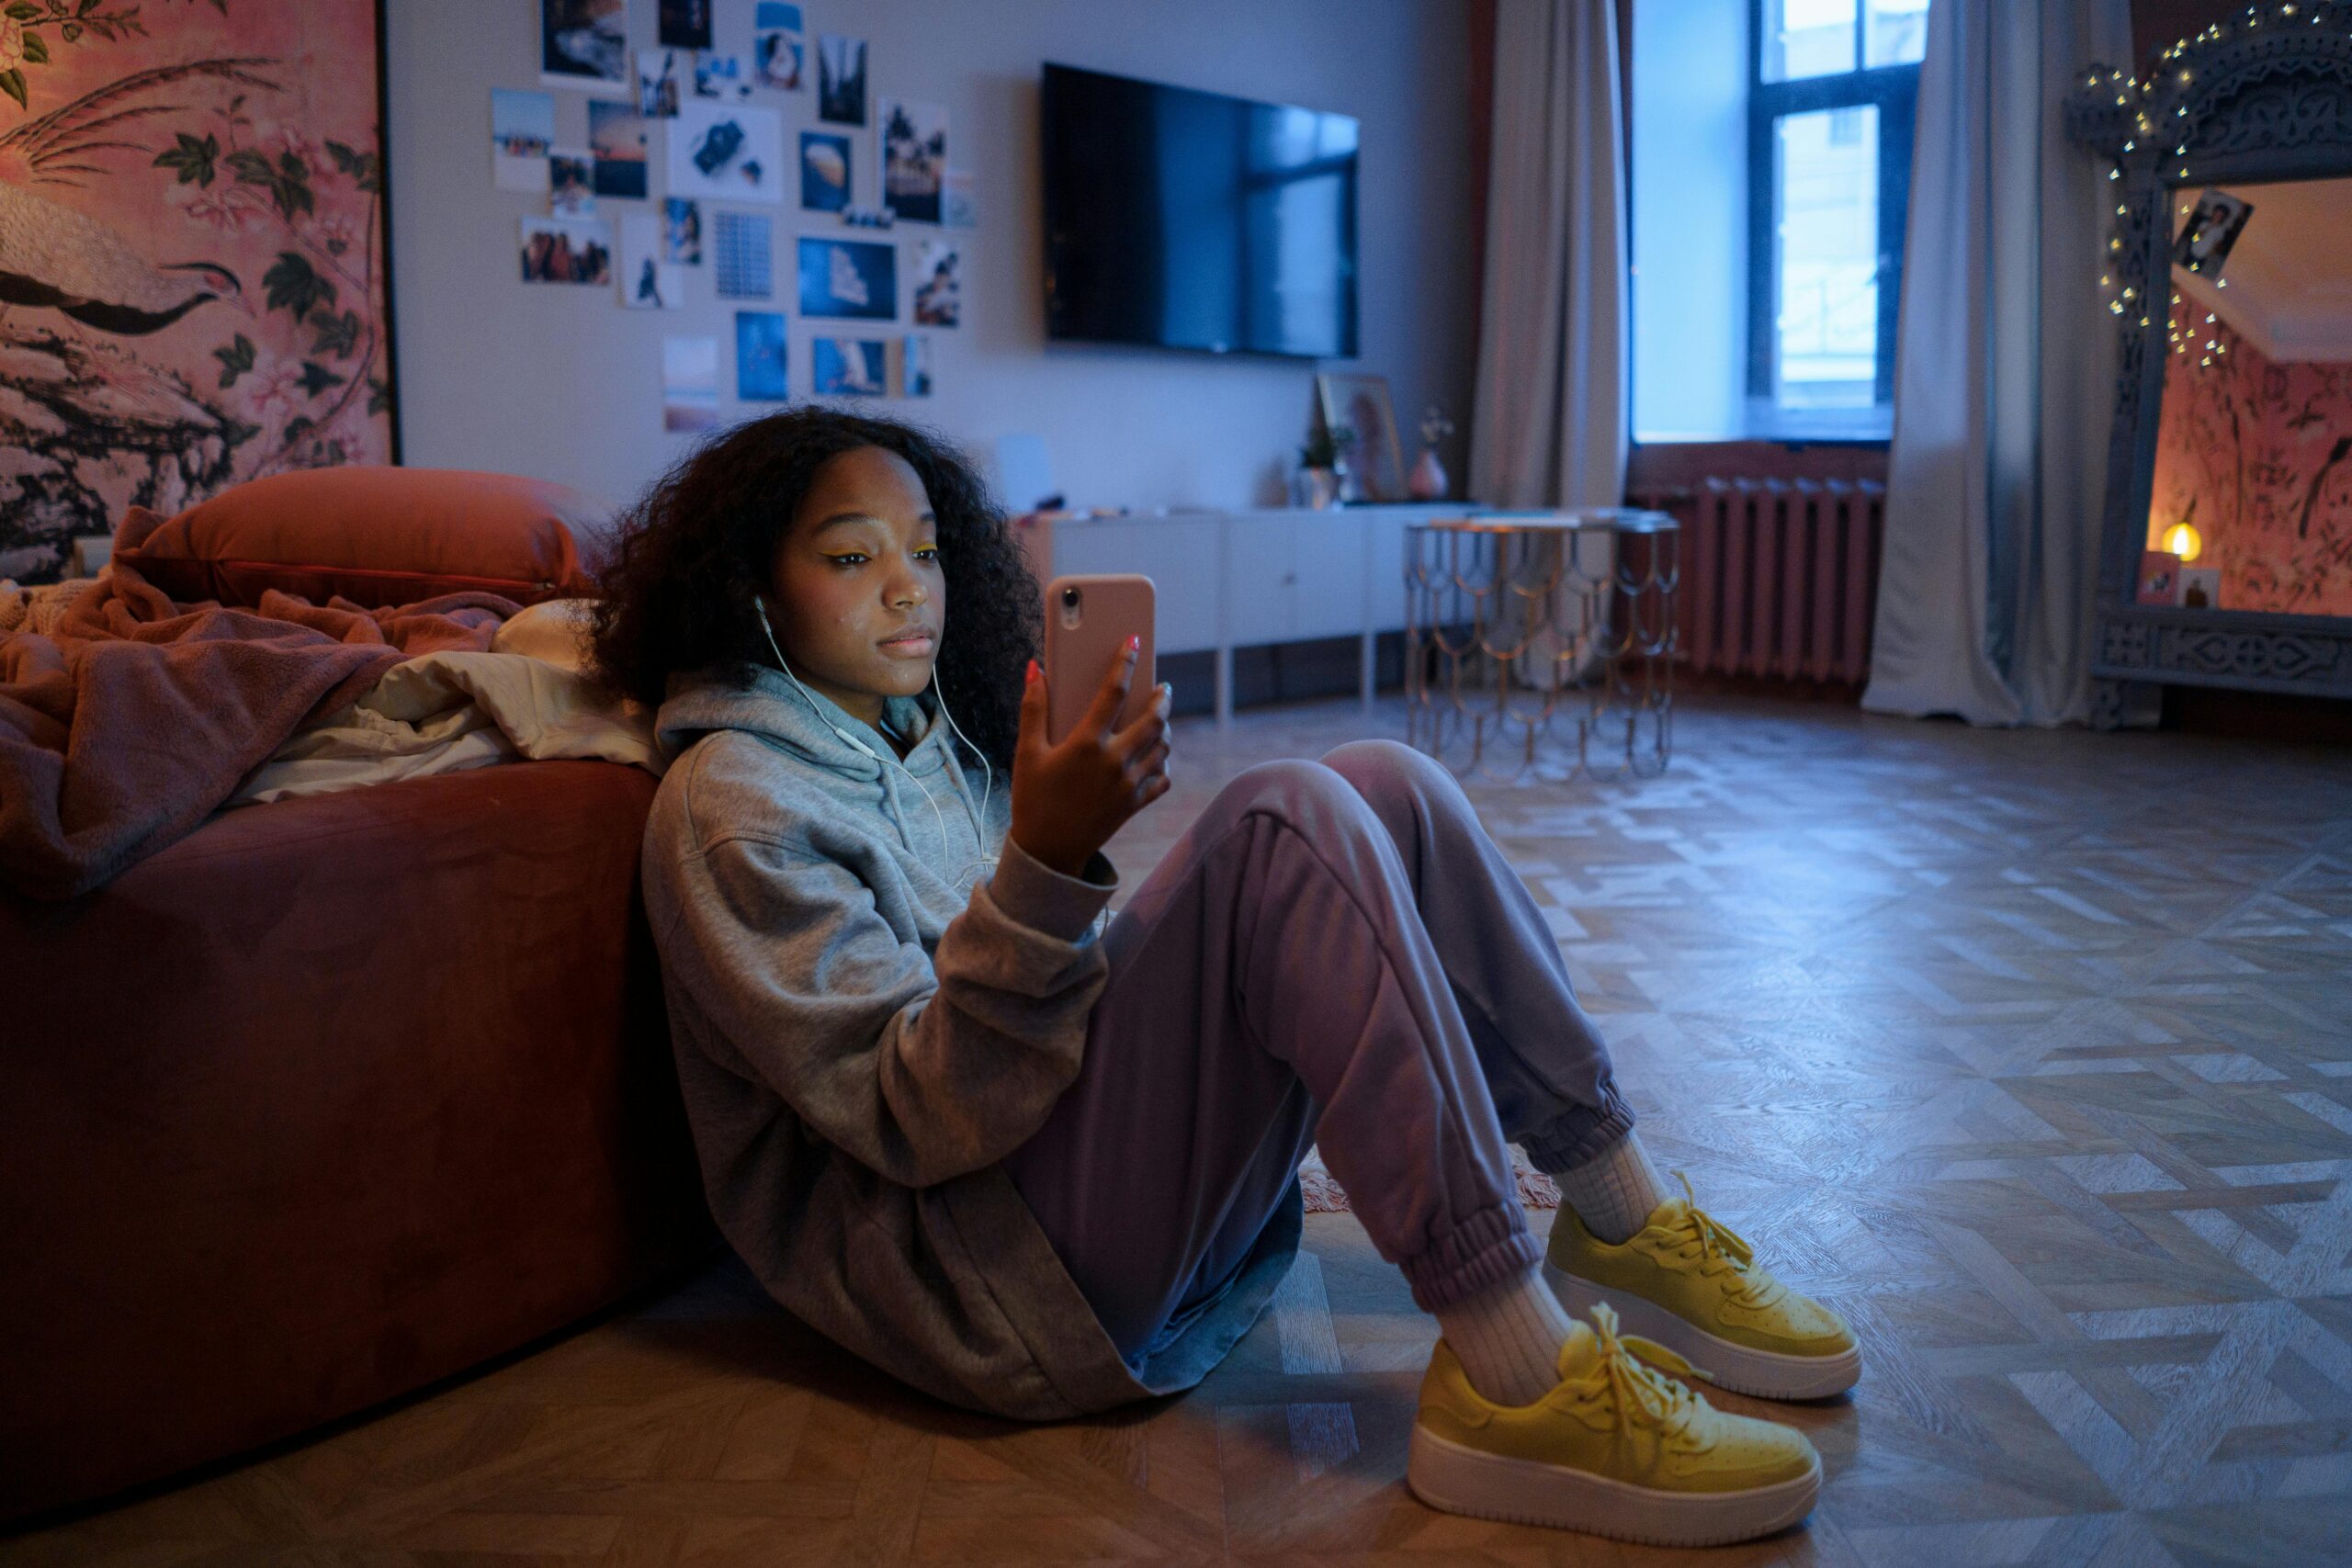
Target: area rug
x,y
1326,1196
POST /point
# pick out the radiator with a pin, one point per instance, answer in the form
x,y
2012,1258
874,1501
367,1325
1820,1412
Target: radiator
x,y
1779,577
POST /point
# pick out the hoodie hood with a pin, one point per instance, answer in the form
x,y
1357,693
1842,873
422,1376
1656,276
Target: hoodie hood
x,y
799,718
801,723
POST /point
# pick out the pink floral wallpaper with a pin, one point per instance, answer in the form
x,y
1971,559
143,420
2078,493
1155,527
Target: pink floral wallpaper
x,y
192,286
2258,457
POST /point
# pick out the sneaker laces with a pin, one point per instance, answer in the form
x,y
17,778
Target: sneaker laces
x,y
1641,1391
1723,1249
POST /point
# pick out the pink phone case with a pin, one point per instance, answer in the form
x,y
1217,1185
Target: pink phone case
x,y
1084,639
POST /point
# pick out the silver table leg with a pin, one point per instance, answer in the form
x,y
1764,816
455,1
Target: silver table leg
x,y
1549,636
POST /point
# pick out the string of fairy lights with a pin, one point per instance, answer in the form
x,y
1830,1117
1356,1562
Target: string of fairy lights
x,y
2146,97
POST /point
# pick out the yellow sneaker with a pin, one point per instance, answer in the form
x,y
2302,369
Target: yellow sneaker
x,y
1687,1282
1618,1448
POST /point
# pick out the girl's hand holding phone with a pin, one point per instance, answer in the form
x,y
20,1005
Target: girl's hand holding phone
x,y
1069,798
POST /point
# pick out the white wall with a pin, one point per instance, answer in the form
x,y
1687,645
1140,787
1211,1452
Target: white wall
x,y
561,382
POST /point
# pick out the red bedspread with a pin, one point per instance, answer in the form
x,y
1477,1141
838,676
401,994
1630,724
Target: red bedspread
x,y
131,723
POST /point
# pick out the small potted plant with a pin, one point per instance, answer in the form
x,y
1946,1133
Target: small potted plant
x,y
1324,462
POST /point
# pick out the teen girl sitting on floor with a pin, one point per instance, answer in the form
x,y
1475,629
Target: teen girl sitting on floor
x,y
1044,1169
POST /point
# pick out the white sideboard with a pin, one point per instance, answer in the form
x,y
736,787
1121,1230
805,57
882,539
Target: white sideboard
x,y
1228,580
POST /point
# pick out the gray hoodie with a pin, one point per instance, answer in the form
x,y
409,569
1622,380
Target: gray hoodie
x,y
861,1038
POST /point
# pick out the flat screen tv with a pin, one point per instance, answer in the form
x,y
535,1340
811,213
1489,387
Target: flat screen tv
x,y
1192,220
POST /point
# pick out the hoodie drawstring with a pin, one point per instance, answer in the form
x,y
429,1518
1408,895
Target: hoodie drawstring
x,y
895,808
962,788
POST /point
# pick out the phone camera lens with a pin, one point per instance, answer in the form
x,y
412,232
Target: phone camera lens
x,y
1069,596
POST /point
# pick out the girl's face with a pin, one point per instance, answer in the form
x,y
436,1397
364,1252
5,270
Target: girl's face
x,y
859,596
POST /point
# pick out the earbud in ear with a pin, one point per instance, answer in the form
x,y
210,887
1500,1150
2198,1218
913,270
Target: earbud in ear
x,y
759,602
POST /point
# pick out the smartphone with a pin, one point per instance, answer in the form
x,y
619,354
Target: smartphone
x,y
1089,618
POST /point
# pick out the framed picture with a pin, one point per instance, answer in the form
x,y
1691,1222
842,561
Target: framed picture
x,y
939,285
759,357
568,250
209,243
779,47
847,367
1360,404
914,365
2159,578
522,133
854,280
957,206
730,152
682,231
914,157
658,71
722,76
584,44
840,79
689,383
620,140
572,181
824,170
649,283
745,248
683,23
2203,244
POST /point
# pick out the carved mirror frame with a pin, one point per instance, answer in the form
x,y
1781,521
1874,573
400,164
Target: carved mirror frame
x,y
2264,97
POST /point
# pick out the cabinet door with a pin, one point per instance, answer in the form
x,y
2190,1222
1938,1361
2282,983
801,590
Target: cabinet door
x,y
1385,562
1331,558
1260,587
1179,555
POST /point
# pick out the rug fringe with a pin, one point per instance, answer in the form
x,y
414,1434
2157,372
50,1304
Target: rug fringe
x,y
1325,1196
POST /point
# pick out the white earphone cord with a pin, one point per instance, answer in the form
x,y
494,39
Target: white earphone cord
x,y
988,772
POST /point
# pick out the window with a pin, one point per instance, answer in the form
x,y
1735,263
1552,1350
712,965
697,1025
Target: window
x,y
1829,110
1771,161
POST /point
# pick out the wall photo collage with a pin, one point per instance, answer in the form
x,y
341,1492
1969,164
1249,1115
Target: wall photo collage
x,y
674,197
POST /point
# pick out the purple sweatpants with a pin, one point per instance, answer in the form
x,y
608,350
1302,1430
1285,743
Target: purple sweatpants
x,y
1334,951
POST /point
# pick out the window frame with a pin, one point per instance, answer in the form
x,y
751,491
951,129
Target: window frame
x,y
1895,90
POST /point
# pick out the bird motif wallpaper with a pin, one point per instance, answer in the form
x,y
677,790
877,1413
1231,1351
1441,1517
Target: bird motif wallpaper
x,y
192,256
2255,454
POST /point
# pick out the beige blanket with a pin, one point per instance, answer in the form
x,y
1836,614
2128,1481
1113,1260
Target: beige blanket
x,y
526,698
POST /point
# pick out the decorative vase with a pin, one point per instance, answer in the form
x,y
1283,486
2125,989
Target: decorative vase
x,y
1321,487
1427,481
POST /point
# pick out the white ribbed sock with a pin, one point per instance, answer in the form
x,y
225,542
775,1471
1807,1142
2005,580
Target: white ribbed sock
x,y
1613,1192
1508,1336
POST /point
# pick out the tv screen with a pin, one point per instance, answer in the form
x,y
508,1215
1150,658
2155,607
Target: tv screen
x,y
1191,219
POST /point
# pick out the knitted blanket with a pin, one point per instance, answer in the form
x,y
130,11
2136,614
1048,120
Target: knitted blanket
x,y
1324,1195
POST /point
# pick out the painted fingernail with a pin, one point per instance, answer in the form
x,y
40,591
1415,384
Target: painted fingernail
x,y
1135,641
1032,676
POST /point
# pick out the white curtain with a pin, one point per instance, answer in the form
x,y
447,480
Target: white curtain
x,y
1549,421
2004,374
1548,424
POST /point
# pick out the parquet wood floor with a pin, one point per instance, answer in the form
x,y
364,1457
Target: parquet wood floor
x,y
2030,1052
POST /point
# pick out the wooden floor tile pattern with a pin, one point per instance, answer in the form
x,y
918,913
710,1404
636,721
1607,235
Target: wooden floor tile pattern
x,y
2030,1052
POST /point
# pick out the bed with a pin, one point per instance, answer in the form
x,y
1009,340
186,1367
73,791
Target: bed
x,y
328,1100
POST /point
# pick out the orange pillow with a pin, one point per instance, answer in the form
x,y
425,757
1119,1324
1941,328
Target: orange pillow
x,y
376,535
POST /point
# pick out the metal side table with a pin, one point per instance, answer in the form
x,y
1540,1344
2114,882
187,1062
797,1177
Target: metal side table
x,y
1552,631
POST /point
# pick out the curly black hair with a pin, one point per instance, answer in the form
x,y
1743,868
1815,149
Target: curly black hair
x,y
678,581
